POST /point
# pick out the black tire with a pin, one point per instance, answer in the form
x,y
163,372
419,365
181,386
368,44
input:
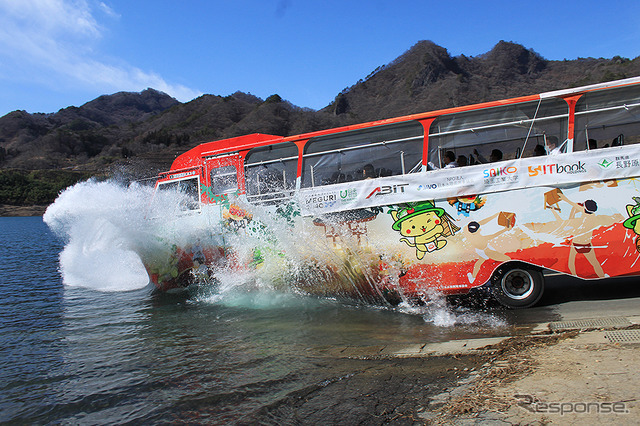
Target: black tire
x,y
517,286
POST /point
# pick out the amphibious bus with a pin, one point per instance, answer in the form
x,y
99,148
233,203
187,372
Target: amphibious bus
x,y
394,210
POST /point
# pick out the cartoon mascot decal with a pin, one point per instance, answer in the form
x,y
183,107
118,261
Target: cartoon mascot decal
x,y
466,204
425,225
632,222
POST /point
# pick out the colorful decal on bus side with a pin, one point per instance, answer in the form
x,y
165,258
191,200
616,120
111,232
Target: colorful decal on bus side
x,y
466,204
208,197
565,229
426,225
633,210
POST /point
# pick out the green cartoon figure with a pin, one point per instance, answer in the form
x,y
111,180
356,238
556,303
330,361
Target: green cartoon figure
x,y
426,226
632,222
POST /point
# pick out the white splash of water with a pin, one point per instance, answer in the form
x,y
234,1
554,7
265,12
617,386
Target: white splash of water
x,y
437,311
106,225
101,223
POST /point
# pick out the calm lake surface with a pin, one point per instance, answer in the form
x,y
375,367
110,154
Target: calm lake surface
x,y
74,354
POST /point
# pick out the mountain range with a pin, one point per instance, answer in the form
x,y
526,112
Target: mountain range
x,y
148,129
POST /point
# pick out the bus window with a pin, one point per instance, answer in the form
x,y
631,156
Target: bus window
x,y
607,118
187,191
383,151
514,130
270,172
224,180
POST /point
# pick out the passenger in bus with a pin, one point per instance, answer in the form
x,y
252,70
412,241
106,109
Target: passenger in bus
x,y
593,144
462,161
552,145
449,160
496,155
368,172
539,151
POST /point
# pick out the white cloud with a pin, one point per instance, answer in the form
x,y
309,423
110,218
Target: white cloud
x,y
127,79
50,18
108,10
53,42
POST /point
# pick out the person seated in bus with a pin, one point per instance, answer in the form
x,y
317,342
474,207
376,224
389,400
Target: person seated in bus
x,y
368,172
593,144
539,151
552,146
449,160
462,161
496,155
383,172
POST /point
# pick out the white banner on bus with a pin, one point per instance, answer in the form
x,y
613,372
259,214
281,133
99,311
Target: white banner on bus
x,y
551,170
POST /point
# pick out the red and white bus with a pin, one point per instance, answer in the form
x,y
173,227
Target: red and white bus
x,y
489,194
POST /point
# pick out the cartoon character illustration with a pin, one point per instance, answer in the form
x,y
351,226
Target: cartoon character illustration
x,y
611,183
347,224
482,243
208,196
236,217
580,225
581,242
466,204
426,226
632,222
551,199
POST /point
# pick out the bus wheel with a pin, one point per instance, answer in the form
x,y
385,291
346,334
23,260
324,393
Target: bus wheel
x,y
518,287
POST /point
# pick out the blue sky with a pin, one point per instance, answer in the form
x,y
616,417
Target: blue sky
x,y
57,53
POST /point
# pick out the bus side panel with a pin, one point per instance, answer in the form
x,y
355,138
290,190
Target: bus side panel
x,y
586,230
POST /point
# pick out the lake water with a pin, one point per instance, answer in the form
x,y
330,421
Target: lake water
x,y
73,350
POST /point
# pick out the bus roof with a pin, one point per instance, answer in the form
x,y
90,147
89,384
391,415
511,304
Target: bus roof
x,y
194,156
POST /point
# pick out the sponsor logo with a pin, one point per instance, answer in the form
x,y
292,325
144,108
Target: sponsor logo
x,y
322,201
348,195
605,163
387,189
549,169
427,186
499,171
625,161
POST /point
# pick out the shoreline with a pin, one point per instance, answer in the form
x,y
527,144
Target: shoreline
x,y
563,377
549,375
7,210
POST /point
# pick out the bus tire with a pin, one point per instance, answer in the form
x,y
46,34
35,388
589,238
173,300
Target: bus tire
x,y
517,286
